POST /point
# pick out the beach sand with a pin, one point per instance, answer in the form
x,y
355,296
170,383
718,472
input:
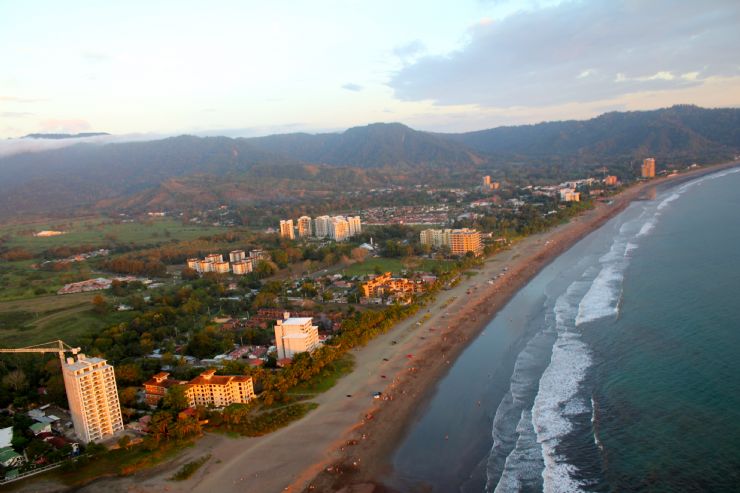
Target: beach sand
x,y
345,445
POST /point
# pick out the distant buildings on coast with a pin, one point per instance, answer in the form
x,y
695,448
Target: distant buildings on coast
x,y
647,170
337,228
239,263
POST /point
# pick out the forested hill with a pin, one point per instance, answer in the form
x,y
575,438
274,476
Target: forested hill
x,y
684,132
375,145
86,174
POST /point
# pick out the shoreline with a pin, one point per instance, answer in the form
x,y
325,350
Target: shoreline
x,y
346,444
373,455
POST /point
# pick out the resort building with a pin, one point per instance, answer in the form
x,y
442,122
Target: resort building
x,y
242,267
212,390
92,397
286,229
295,335
648,168
156,387
384,285
236,256
465,240
569,195
304,226
321,226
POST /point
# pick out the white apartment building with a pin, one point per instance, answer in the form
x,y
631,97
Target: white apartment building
x,y
194,263
355,226
242,267
286,229
236,256
436,238
221,267
339,228
206,265
219,390
214,257
93,398
569,195
304,226
295,335
321,229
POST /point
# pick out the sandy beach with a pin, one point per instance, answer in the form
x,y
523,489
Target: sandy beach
x,y
345,444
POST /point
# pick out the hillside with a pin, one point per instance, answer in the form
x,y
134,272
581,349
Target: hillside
x,y
193,171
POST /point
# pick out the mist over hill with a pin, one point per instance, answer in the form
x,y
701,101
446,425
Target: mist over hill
x,y
177,171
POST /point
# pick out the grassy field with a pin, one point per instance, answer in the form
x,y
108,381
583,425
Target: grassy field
x,y
46,318
393,265
20,280
99,231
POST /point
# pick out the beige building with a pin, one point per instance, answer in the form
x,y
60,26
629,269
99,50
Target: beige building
x,y
569,195
212,390
194,263
304,226
648,168
436,238
295,335
221,267
236,256
355,225
242,267
286,229
321,226
92,397
465,240
206,265
611,181
339,228
214,257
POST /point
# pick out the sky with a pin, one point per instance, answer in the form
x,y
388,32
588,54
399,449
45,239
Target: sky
x,y
244,68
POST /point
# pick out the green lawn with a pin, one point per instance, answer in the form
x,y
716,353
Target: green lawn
x,y
393,265
99,231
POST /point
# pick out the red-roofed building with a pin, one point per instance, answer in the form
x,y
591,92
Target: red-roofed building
x,y
156,387
209,389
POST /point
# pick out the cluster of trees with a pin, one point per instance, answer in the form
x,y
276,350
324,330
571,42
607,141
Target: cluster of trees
x,y
136,265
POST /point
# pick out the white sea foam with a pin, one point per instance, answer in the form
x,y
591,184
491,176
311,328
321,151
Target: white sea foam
x,y
602,299
647,227
664,203
629,248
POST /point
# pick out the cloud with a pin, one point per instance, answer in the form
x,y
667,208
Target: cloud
x,y
95,57
15,114
64,126
352,87
410,50
16,99
9,147
579,52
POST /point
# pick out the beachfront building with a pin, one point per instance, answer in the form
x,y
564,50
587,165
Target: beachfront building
x,y
648,168
435,238
236,256
211,390
93,398
156,387
286,229
295,335
242,267
385,284
465,240
611,181
569,195
304,226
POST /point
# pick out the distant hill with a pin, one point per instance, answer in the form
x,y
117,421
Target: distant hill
x,y
375,145
681,132
64,136
178,171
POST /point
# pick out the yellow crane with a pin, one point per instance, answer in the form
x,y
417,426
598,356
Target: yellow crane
x,y
57,346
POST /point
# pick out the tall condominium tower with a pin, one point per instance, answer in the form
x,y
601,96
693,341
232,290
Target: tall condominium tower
x,y
304,226
286,229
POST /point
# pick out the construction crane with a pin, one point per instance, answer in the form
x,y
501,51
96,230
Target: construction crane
x,y
57,346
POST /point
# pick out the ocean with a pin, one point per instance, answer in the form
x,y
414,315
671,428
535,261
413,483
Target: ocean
x,y
617,368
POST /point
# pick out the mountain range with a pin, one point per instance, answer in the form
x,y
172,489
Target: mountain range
x,y
182,170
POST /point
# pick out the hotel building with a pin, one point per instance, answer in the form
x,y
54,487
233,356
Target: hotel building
x,y
92,397
212,390
156,387
465,240
648,168
295,335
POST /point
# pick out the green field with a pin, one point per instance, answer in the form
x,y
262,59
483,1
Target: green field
x,y
371,265
45,318
100,232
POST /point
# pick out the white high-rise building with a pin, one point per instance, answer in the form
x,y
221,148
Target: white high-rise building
x,y
295,335
355,226
286,229
322,226
339,228
93,398
236,255
304,226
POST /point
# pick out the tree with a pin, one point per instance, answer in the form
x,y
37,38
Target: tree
x,y
128,396
100,306
359,254
175,399
16,380
124,442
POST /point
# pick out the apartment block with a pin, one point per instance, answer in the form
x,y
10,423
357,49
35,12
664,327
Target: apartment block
x,y
435,238
156,387
212,390
304,226
569,195
355,225
339,228
236,256
214,257
93,398
295,335
194,263
286,229
221,267
611,180
385,284
648,168
465,240
242,267
321,226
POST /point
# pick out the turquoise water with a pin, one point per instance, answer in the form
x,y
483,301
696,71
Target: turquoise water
x,y
616,369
